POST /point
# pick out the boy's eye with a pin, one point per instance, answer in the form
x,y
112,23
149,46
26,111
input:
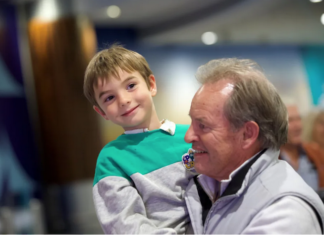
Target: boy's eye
x,y
109,98
131,86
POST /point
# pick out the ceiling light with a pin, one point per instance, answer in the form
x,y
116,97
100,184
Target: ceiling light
x,y
314,1
47,10
322,19
113,11
209,38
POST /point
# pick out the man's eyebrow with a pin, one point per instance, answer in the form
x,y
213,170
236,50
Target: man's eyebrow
x,y
125,81
202,119
199,119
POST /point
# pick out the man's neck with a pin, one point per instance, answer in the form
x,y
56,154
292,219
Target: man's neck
x,y
243,157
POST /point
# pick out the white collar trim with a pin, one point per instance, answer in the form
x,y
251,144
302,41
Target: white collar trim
x,y
166,126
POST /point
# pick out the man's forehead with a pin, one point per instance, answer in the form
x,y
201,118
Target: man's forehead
x,y
211,92
227,89
292,109
208,100
197,114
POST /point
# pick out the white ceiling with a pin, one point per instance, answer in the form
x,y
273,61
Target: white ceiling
x,y
234,21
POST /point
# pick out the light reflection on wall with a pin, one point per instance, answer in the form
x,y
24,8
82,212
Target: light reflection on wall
x,y
176,88
47,10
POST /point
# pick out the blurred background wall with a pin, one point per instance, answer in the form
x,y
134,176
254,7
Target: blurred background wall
x,y
50,136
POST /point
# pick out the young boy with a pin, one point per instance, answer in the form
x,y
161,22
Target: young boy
x,y
140,180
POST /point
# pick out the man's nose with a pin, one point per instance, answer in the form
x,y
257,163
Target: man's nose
x,y
190,135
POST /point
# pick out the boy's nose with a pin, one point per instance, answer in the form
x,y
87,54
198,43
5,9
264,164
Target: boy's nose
x,y
190,136
124,99
124,102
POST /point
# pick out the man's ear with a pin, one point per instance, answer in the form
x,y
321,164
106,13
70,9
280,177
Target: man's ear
x,y
101,113
250,134
153,88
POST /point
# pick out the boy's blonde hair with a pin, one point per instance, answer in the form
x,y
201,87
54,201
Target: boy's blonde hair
x,y
107,62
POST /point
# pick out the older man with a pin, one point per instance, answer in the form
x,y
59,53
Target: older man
x,y
238,125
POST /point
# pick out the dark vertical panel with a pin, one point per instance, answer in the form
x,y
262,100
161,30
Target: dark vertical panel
x,y
60,51
14,115
9,41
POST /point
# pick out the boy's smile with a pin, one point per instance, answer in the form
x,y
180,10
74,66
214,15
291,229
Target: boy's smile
x,y
129,112
127,101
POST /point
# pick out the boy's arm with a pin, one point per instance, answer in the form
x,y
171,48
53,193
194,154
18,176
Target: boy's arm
x,y
120,209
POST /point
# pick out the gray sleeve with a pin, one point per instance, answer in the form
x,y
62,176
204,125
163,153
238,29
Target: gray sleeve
x,y
287,215
120,209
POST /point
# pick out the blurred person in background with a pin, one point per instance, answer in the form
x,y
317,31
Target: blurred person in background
x,y
313,127
305,157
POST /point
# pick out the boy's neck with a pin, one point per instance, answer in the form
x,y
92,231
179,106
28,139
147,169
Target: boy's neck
x,y
152,124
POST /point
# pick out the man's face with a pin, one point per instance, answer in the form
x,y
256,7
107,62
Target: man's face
x,y
126,101
211,133
294,125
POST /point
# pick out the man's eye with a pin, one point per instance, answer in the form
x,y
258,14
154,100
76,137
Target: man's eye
x,y
109,98
131,86
201,126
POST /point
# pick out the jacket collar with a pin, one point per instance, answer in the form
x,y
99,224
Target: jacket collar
x,y
241,177
237,183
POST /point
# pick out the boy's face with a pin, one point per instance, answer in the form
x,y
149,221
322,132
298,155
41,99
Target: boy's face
x,y
126,101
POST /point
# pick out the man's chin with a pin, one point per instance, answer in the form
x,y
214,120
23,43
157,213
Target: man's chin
x,y
296,142
199,168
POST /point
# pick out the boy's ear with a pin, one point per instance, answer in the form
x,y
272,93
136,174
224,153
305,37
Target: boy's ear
x,y
153,88
250,134
101,113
